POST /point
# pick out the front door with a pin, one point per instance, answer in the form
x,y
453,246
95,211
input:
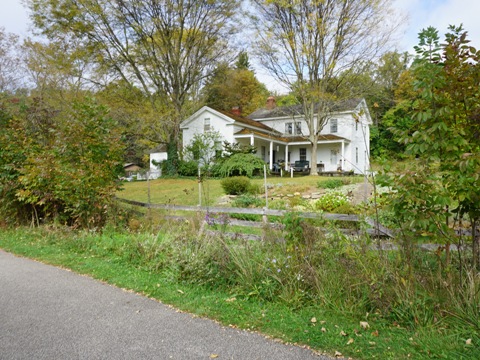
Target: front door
x,y
333,157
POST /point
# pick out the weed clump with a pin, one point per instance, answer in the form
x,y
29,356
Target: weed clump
x,y
334,183
247,200
330,184
331,201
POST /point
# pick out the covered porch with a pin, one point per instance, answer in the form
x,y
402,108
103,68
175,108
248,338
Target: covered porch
x,y
282,152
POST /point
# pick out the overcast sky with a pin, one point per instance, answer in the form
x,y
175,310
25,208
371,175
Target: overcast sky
x,y
421,14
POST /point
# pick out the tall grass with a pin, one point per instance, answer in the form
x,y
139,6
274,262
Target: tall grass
x,y
304,266
300,267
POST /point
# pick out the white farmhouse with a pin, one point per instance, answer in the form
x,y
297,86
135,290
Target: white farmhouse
x,y
280,134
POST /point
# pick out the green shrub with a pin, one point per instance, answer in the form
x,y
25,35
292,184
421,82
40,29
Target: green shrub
x,y
45,174
242,164
255,189
236,185
331,201
215,170
246,217
187,168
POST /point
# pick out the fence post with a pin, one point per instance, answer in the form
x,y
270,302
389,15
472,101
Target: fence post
x,y
265,184
149,200
199,187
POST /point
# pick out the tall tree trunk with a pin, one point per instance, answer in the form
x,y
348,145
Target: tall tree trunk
x,y
313,163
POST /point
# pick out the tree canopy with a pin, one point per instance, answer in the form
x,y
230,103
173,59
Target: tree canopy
x,y
235,87
164,47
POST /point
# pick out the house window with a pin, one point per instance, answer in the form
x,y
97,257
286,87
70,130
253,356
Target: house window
x,y
303,154
218,149
333,125
264,152
356,155
289,128
298,128
356,125
206,124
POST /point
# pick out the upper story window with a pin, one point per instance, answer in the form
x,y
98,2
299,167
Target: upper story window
x,y
298,128
289,128
206,124
356,125
333,125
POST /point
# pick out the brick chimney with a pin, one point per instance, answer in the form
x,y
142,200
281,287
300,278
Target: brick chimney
x,y
271,103
236,110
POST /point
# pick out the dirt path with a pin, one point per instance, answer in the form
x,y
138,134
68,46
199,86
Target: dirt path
x,y
362,193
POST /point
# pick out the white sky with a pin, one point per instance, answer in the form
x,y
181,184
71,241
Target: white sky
x,y
421,14
439,14
13,17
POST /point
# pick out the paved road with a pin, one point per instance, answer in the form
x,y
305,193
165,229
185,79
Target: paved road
x,y
51,313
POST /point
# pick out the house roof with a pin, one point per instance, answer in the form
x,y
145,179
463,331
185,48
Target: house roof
x,y
231,117
283,111
131,167
247,121
159,149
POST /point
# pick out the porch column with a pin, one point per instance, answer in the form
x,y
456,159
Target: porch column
x,y
343,156
270,165
251,140
286,158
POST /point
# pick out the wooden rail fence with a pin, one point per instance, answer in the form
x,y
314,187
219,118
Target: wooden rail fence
x,y
377,229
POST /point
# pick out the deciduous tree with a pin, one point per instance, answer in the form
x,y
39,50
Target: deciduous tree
x,y
306,44
442,184
164,47
231,87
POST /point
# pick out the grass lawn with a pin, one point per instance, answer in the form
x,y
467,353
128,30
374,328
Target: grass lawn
x,y
184,191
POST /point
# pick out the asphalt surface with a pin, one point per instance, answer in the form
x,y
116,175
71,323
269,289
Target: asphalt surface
x,y
51,313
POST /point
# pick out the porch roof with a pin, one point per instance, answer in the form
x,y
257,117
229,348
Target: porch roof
x,y
327,137
261,134
290,139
